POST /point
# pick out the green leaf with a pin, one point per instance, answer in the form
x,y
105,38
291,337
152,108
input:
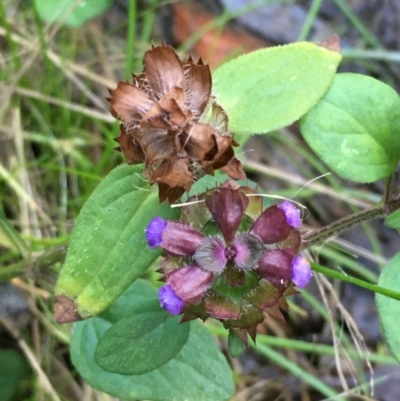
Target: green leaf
x,y
209,182
108,248
235,345
393,220
270,88
355,128
198,372
142,342
137,293
389,308
206,183
12,368
77,12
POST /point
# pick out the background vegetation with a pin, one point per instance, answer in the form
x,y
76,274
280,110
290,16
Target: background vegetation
x,y
57,143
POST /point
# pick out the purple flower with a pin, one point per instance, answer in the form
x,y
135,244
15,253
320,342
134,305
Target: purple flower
x,y
230,259
292,214
301,271
171,302
154,231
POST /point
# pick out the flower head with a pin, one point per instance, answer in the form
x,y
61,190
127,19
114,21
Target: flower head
x,y
171,122
231,260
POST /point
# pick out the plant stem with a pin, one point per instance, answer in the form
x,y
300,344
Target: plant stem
x,y
311,17
365,32
361,283
130,50
342,225
44,260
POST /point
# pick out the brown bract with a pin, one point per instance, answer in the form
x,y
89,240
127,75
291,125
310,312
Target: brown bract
x,y
331,43
171,122
65,310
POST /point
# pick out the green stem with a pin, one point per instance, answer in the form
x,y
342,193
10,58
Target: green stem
x,y
361,283
298,371
130,50
15,59
342,225
361,54
304,346
46,259
9,272
367,34
311,17
148,16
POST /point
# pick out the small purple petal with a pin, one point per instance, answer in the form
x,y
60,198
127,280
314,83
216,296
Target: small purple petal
x,y
169,300
292,214
301,273
210,254
154,231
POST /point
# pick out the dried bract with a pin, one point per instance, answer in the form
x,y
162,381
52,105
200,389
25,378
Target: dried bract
x,y
171,122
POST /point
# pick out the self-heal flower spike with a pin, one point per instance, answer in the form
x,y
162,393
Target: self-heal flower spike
x,y
171,123
231,260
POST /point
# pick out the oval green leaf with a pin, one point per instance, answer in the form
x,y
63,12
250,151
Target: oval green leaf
x,y
270,88
77,12
12,369
393,220
389,308
108,248
142,342
198,372
355,128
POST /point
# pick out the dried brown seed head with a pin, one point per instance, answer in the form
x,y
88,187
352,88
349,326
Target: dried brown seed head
x,y
172,124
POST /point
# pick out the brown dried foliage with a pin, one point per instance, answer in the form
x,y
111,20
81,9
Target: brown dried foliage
x,y
171,122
